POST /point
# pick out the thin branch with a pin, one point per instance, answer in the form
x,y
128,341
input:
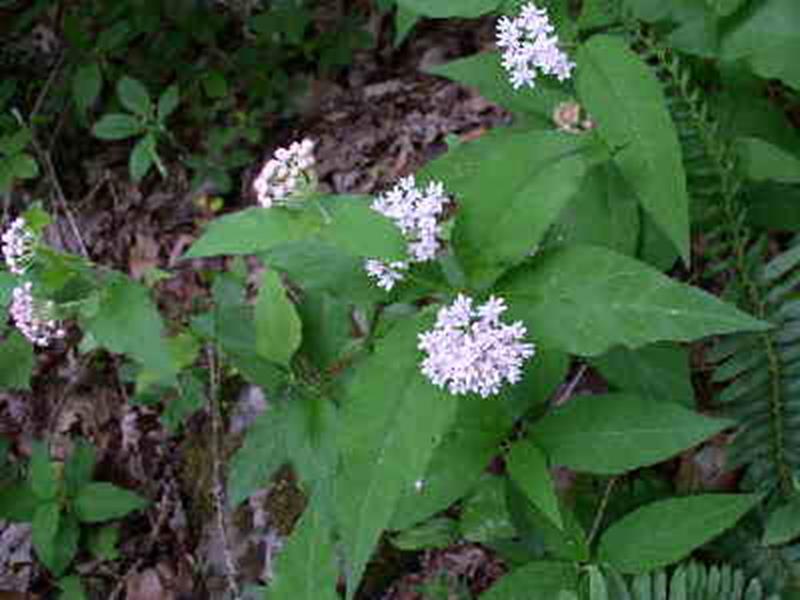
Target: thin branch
x,y
569,388
601,510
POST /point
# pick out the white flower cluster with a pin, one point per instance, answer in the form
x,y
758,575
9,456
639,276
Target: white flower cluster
x,y
19,246
34,318
283,174
471,350
417,213
529,47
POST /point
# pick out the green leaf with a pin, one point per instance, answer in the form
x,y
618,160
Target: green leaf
x,y
23,166
442,9
16,362
586,299
665,532
484,513
656,372
307,566
510,187
457,462
540,580
71,588
168,102
438,532
527,467
16,142
117,127
361,231
127,322
387,436
626,100
404,22
134,96
142,157
278,328
327,328
18,503
255,230
261,454
764,161
483,72
614,433
42,473
44,531
79,467
86,85
783,524
103,542
725,7
190,398
97,502
766,39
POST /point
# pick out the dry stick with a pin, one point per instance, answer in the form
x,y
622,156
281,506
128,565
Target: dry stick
x,y
231,572
601,510
567,390
44,157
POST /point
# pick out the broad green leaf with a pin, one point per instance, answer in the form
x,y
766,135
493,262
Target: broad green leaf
x,y
42,474
168,102
598,590
484,513
783,524
16,142
86,85
774,206
18,502
278,328
768,39
483,72
540,580
527,467
134,96
614,433
404,21
586,299
190,398
655,372
16,362
604,212
23,166
255,230
307,566
763,161
541,376
510,187
45,529
358,230
142,157
260,456
71,588
101,501
387,436
725,7
103,541
457,462
438,532
667,531
327,327
127,322
66,544
627,102
442,9
117,127
79,467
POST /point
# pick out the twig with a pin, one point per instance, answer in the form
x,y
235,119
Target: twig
x,y
219,489
567,391
601,510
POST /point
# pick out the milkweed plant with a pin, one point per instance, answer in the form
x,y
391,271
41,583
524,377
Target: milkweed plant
x,y
407,339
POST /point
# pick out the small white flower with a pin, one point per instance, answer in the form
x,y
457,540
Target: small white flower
x,y
471,351
33,317
19,246
385,274
417,213
530,47
281,176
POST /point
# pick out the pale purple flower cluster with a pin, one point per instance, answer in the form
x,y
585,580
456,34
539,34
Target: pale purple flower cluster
x,y
19,246
417,212
33,317
385,274
283,174
471,350
530,47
